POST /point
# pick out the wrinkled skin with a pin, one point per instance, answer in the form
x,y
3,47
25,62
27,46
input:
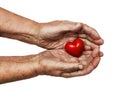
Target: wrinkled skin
x,y
57,62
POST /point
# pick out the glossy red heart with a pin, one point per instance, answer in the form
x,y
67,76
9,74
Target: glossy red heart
x,y
75,48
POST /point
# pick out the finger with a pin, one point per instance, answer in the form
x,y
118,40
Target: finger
x,y
70,67
55,73
73,74
86,58
77,27
90,32
87,48
87,52
97,42
84,36
67,26
94,47
96,51
94,63
89,69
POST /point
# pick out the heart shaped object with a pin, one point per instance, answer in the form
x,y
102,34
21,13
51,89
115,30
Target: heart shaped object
x,y
75,48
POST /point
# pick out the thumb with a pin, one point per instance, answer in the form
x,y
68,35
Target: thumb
x,y
77,27
70,26
71,67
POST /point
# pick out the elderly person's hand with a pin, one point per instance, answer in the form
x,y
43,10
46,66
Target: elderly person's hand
x,y
57,62
55,34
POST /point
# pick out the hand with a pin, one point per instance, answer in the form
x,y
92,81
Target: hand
x,y
57,62
55,34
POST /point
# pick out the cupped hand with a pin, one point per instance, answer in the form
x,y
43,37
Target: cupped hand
x,y
55,34
57,62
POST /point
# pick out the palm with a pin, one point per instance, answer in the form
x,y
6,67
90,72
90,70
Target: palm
x,y
60,41
60,54
53,41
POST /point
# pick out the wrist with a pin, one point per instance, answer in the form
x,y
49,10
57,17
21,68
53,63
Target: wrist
x,y
38,33
33,28
36,64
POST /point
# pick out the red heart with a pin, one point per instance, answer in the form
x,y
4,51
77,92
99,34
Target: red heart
x,y
75,48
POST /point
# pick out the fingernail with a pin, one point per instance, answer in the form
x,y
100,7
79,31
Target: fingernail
x,y
80,66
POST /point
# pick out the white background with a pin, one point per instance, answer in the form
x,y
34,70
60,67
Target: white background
x,y
103,15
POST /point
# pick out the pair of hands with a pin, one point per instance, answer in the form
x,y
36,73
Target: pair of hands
x,y
53,37
55,61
